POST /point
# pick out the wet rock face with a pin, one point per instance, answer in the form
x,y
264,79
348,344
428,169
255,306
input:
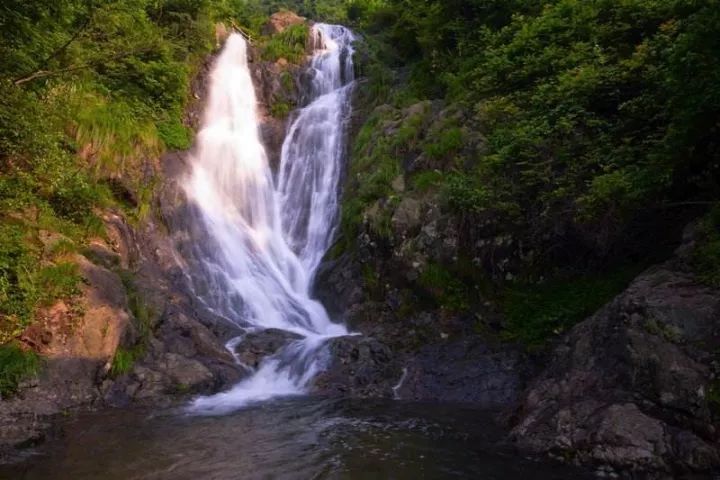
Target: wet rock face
x,y
184,357
465,371
630,386
255,346
358,367
276,83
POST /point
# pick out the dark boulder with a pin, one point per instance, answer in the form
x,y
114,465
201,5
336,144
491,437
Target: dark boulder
x,y
358,367
255,346
633,386
465,371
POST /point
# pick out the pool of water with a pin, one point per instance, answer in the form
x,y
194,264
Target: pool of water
x,y
300,438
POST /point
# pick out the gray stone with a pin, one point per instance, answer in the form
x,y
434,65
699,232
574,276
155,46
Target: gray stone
x,y
358,367
465,371
627,383
406,218
255,346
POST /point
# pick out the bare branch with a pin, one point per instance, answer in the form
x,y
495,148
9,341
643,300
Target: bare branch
x,y
40,72
72,68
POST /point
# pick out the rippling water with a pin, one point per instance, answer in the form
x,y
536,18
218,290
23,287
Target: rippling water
x,y
297,438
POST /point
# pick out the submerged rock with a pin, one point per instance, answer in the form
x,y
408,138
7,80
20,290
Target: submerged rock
x,y
358,367
255,346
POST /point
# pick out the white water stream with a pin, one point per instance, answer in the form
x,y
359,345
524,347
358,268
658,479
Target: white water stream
x,y
267,236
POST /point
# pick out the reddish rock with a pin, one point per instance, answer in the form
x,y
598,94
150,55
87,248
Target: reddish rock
x,y
280,21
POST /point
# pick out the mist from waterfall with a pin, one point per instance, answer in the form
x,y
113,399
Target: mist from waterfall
x,y
264,237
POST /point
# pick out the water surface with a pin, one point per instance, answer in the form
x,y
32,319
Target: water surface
x,y
299,438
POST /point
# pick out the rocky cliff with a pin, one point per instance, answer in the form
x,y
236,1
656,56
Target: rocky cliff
x,y
635,385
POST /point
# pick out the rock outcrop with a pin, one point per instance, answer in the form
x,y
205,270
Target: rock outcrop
x,y
256,346
634,386
77,339
359,367
280,21
468,370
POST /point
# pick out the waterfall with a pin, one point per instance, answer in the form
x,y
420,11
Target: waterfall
x,y
261,239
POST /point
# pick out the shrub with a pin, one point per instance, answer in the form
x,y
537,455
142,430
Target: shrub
x,y
280,109
16,365
446,144
448,291
536,312
123,361
174,134
428,179
705,259
288,44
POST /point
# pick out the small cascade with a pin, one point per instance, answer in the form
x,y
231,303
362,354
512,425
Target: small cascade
x,y
261,239
311,161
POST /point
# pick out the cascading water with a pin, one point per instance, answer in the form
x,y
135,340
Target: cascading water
x,y
263,240
310,168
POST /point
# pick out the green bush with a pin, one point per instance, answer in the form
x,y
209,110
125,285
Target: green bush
x,y
16,365
446,288
591,114
427,180
175,135
280,109
56,281
289,44
705,259
536,312
18,261
446,144
26,283
123,361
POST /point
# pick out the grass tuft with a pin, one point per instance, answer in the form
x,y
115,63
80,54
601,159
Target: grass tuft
x,y
16,365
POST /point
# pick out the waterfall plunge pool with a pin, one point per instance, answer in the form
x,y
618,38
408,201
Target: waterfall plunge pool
x,y
290,438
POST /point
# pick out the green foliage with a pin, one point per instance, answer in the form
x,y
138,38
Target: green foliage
x,y
105,80
56,281
62,248
705,259
464,194
143,317
25,282
18,260
289,44
175,135
91,91
536,312
123,361
591,113
445,144
446,288
427,180
387,136
16,365
371,282
280,109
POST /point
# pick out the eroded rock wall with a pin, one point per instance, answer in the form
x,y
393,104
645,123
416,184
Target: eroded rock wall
x,y
635,385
